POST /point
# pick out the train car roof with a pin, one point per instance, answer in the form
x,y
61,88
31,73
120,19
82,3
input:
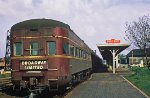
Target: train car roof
x,y
39,23
43,23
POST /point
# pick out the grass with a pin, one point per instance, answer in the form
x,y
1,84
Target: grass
x,y
141,78
5,75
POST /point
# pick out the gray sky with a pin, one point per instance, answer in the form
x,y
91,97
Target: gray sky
x,y
94,21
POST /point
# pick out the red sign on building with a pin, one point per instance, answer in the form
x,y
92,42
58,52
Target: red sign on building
x,y
113,41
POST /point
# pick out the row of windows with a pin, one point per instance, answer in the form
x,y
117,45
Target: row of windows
x,y
66,48
75,51
33,48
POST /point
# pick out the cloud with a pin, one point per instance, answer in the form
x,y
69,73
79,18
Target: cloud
x,y
94,21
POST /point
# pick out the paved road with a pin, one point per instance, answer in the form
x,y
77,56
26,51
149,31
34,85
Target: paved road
x,y
105,85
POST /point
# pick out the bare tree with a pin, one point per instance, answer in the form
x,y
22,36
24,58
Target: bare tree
x,y
138,34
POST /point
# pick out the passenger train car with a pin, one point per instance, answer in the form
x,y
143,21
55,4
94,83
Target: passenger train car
x,y
46,53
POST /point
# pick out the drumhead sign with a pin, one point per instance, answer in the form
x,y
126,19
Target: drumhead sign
x,y
113,41
33,65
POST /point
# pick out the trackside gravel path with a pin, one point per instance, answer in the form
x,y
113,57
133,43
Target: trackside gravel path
x,y
105,85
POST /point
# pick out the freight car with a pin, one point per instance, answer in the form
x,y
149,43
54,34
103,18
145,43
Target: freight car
x,y
46,53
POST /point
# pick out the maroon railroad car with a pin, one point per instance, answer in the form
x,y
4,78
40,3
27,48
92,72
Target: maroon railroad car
x,y
47,54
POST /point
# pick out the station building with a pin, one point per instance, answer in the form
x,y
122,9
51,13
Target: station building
x,y
137,57
110,51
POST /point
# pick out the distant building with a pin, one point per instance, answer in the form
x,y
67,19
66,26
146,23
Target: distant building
x,y
136,57
122,59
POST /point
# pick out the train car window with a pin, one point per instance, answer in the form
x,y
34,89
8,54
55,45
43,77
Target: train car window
x,y
77,52
89,57
51,48
34,48
65,48
18,49
84,54
72,49
80,53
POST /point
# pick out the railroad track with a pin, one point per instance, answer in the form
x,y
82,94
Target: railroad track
x,y
5,82
6,88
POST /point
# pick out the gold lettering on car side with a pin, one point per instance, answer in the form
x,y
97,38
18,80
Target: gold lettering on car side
x,y
33,64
